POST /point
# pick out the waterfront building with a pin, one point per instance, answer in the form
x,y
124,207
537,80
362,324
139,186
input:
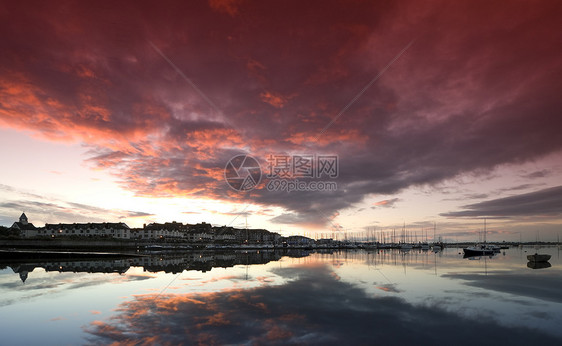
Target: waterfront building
x,y
175,231
298,240
168,230
104,229
200,235
26,228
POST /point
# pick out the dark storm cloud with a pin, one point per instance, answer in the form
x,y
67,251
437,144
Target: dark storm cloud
x,y
538,203
302,311
477,89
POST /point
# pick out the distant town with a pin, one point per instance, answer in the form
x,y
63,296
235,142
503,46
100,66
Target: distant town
x,y
201,235
176,235
169,232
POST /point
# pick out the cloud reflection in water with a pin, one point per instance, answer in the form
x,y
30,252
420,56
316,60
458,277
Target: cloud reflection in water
x,y
313,307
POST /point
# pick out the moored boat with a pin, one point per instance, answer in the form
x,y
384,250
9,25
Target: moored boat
x,y
481,249
406,246
478,250
538,265
538,257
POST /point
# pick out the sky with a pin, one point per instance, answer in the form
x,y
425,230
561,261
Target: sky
x,y
436,114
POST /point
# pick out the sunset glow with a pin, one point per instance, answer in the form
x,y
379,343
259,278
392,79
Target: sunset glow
x,y
438,113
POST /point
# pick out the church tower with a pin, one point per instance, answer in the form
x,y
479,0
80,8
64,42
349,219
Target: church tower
x,y
23,219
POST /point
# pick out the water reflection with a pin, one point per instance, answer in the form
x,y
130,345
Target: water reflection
x,y
164,262
313,307
538,265
251,297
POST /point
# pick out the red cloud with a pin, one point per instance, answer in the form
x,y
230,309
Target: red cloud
x,y
476,90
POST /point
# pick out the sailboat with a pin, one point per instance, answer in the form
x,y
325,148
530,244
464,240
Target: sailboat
x,y
479,249
424,244
405,246
437,244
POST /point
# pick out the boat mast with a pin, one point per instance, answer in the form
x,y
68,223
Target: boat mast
x,y
484,231
434,227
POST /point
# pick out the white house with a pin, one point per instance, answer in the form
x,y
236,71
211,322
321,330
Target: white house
x,y
26,228
105,229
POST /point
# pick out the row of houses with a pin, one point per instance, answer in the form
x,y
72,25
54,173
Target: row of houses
x,y
202,232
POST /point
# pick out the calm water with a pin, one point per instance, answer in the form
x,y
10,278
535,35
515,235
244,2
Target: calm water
x,y
349,297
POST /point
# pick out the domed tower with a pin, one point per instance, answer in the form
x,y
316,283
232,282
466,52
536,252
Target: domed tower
x,y
23,219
